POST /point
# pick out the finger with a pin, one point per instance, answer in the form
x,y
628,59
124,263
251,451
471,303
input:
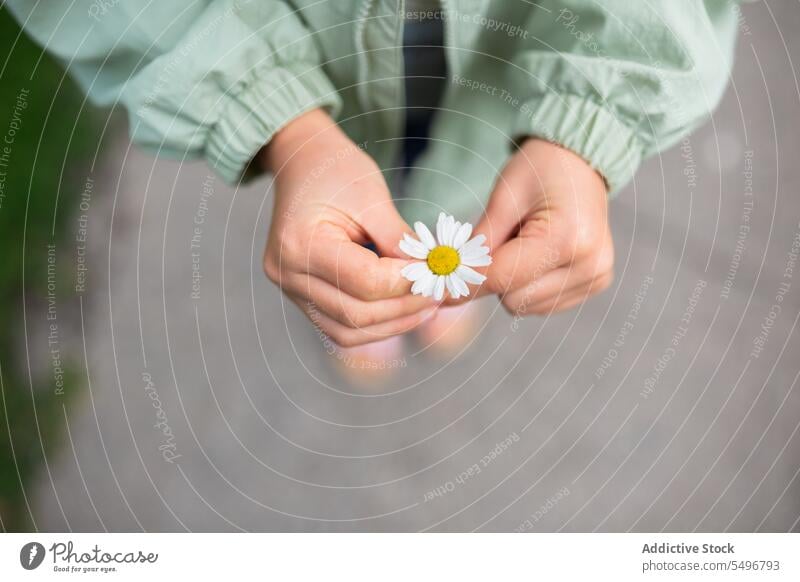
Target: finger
x,y
559,282
538,168
564,300
517,264
385,227
356,270
559,305
520,262
348,337
532,215
349,311
556,283
509,203
502,217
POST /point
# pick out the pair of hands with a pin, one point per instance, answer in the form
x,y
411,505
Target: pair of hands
x,y
546,225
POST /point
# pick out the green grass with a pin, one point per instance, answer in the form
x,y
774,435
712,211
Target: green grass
x,y
53,132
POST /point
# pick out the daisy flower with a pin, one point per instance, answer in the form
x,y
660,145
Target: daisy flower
x,y
445,261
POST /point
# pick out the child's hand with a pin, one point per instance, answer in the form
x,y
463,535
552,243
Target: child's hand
x,y
330,198
547,226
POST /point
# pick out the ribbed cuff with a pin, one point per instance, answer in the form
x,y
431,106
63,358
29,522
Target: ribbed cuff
x,y
254,114
586,128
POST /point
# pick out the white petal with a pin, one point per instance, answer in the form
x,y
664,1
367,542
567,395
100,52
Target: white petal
x,y
415,271
424,286
413,241
424,235
450,230
473,244
438,289
459,284
462,235
469,275
449,282
477,261
471,253
413,248
440,226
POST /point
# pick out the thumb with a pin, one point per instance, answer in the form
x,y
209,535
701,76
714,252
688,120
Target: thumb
x,y
499,223
507,207
385,227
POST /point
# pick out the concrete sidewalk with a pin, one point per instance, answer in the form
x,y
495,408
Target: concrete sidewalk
x,y
670,402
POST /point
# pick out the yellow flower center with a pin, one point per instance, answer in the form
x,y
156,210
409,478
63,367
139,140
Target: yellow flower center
x,y
443,260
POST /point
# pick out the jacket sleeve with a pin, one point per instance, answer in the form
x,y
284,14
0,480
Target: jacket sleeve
x,y
212,78
619,80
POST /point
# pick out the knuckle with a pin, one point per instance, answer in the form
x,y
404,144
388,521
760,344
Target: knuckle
x,y
501,280
596,267
346,341
284,250
605,262
291,247
271,269
604,282
580,238
586,242
604,259
339,337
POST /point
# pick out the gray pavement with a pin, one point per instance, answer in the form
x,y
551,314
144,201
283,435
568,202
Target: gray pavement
x,y
670,402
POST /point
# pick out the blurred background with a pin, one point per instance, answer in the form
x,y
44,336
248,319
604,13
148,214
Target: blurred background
x,y
152,379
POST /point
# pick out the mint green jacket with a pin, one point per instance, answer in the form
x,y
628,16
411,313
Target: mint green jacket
x,y
613,80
